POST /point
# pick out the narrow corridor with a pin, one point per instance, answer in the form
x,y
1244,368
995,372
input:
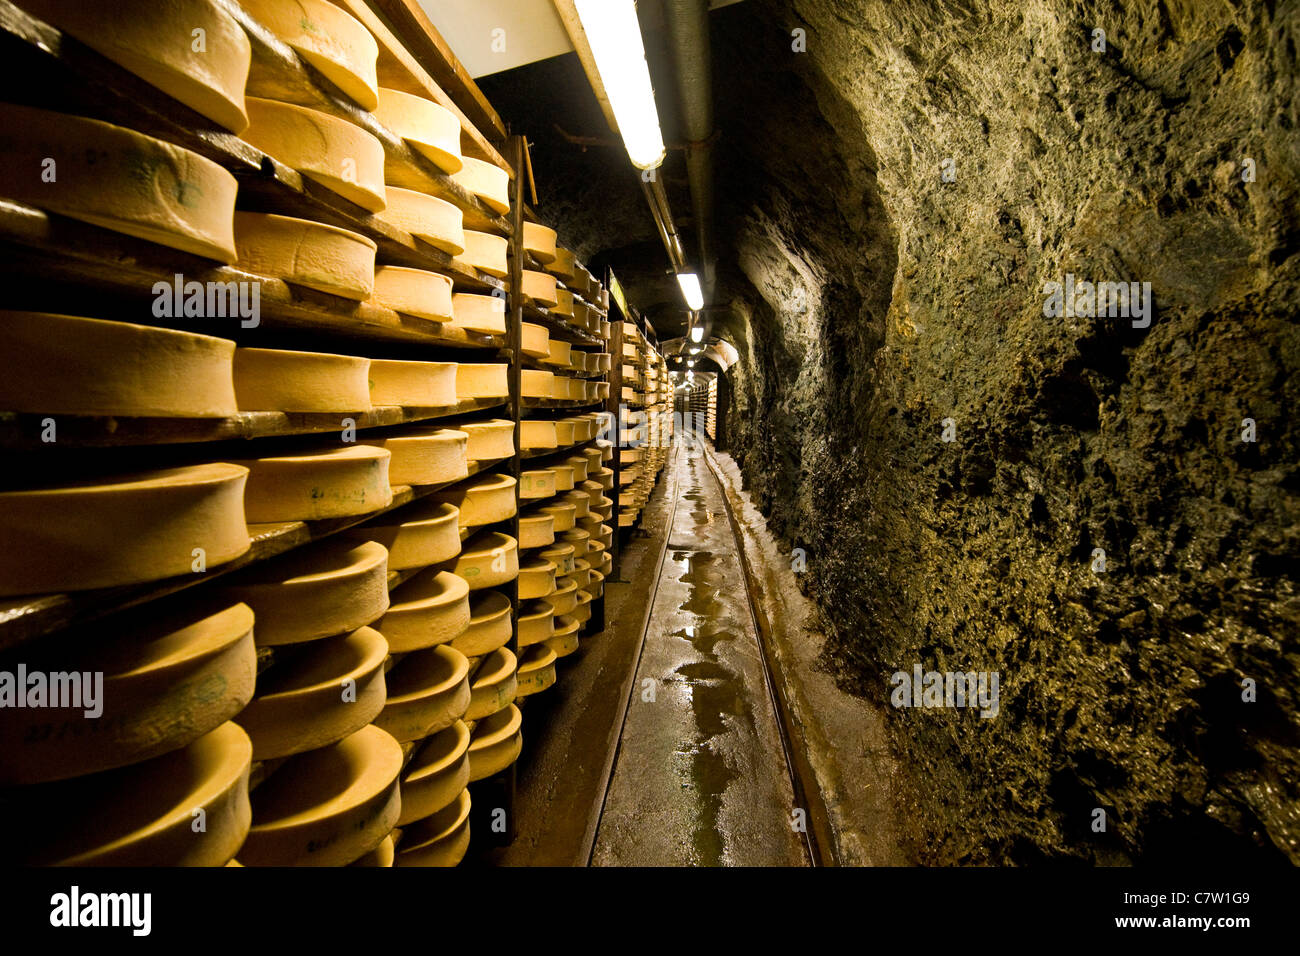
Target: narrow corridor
x,y
700,776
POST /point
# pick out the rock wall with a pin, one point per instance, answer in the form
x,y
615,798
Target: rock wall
x,y
878,298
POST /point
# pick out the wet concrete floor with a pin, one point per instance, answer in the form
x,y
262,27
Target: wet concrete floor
x,y
700,778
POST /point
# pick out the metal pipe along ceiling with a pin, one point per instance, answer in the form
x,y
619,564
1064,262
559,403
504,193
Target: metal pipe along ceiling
x,y
688,34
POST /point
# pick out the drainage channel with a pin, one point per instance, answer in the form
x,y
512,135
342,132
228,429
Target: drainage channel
x,y
702,775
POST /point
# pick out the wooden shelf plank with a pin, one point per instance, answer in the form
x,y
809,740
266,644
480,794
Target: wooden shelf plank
x,y
22,432
26,618
562,330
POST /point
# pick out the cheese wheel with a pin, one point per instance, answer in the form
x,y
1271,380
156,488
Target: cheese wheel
x,y
493,687
142,37
536,623
118,179
487,181
540,241
342,157
537,483
597,586
562,513
489,625
306,253
566,630
534,383
332,41
539,287
440,839
479,313
416,292
437,774
563,264
564,597
592,489
536,579
426,456
596,455
381,856
277,380
331,588
308,487
559,388
564,432
579,464
536,340
581,614
536,670
326,807
434,220
126,529
488,560
581,573
536,530
430,609
563,477
600,389
558,353
580,500
165,683
428,691
475,381
299,704
489,440
563,303
535,433
431,129
562,556
484,500
140,815
416,384
485,252
66,365
496,743
422,533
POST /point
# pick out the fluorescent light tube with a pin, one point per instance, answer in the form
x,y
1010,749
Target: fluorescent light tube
x,y
690,284
615,39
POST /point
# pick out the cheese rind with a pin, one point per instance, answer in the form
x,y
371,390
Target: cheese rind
x,y
535,383
489,625
493,688
306,253
563,265
536,530
488,560
436,775
143,814
482,500
331,588
143,37
431,608
327,807
440,839
416,292
278,380
496,743
63,364
536,623
166,683
537,433
485,252
479,313
297,704
540,287
127,529
423,533
417,384
308,487
330,39
434,220
488,181
489,440
339,155
119,179
428,127
426,456
540,241
428,691
481,381
536,579
536,340
536,670
537,483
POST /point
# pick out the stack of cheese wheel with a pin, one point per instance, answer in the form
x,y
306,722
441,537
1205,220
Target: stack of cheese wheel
x,y
144,739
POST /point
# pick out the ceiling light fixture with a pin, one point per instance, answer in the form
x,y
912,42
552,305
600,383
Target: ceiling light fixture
x,y
690,284
615,39
697,333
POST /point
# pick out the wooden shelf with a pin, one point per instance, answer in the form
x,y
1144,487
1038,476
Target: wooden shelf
x,y
21,431
562,403
535,453
561,329
26,618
